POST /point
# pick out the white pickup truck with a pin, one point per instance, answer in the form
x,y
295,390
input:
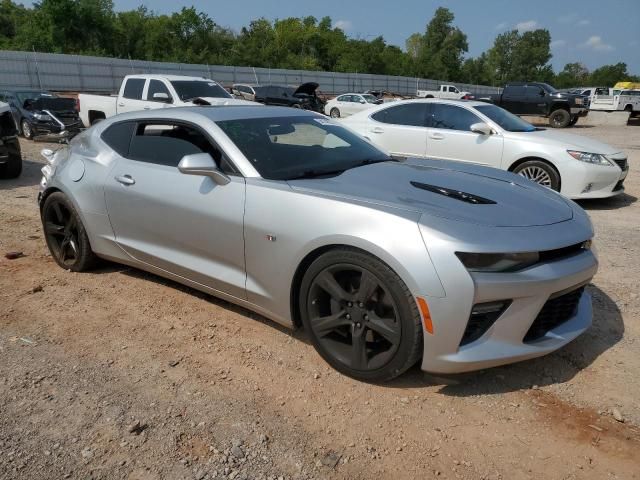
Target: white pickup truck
x,y
450,92
146,92
613,99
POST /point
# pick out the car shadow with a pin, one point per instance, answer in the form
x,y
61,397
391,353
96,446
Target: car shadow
x,y
611,203
558,367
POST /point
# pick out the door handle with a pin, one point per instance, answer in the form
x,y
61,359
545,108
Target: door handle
x,y
121,104
436,136
377,130
147,108
125,179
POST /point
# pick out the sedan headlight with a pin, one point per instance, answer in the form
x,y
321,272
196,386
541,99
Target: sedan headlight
x,y
497,262
43,117
594,158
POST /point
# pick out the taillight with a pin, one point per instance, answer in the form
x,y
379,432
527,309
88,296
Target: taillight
x,y
77,104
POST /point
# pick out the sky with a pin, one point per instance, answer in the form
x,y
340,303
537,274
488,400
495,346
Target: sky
x,y
594,32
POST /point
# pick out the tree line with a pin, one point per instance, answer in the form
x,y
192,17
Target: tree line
x,y
93,27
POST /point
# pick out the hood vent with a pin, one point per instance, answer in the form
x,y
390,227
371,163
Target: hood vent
x,y
456,194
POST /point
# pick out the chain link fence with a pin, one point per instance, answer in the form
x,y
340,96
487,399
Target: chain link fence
x,y
79,73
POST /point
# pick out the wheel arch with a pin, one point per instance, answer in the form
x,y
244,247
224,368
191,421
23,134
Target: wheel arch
x,y
559,106
522,160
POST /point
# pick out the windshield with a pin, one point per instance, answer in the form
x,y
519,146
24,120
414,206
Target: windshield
x,y
284,148
22,96
508,121
189,89
548,88
369,98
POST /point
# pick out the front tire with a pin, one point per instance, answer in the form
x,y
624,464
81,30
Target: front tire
x,y
65,234
573,121
13,167
27,131
559,118
360,315
334,113
539,172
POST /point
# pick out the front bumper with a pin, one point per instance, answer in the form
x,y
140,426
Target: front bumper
x,y
527,291
579,111
586,181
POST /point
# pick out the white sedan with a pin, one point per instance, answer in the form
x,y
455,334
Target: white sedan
x,y
350,103
477,132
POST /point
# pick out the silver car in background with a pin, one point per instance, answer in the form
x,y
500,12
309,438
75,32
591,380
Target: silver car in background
x,y
288,214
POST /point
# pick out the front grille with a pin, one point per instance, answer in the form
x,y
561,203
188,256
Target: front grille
x,y
623,164
553,314
558,253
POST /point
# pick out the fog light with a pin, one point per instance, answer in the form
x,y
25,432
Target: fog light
x,y
587,188
483,315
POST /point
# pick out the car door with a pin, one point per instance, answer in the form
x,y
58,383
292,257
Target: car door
x,y
400,129
450,137
358,103
157,87
513,98
184,224
535,103
131,99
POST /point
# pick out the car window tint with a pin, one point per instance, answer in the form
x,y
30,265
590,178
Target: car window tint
x,y
533,91
514,91
412,114
452,117
133,88
118,137
156,86
164,144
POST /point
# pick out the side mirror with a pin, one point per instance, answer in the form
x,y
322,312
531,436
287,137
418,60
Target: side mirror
x,y
203,165
161,97
481,128
363,102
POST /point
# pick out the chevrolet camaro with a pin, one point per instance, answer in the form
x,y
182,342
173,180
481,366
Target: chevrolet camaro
x,y
287,213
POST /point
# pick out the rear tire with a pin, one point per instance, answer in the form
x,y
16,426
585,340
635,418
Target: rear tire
x,y
559,118
27,131
13,167
360,315
65,234
539,172
334,113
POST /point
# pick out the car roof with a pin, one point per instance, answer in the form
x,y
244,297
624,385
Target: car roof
x,y
170,77
216,113
469,103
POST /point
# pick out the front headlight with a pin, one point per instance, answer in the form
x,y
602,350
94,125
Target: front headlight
x,y
497,262
43,117
594,158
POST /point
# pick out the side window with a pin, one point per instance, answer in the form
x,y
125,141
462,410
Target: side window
x,y
586,92
342,98
166,144
452,117
413,114
118,137
133,88
156,86
514,91
534,91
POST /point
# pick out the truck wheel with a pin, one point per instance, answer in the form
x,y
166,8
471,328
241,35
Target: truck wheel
x,y
27,132
539,172
560,118
334,113
573,121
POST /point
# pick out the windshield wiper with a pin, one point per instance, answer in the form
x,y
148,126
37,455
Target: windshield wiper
x,y
315,174
371,161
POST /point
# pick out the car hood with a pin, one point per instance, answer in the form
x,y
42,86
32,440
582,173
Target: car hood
x,y
567,140
306,88
217,101
472,194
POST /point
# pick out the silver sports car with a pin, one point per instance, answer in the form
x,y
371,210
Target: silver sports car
x,y
288,214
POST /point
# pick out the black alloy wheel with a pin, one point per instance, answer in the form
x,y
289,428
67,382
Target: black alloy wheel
x,y
65,235
360,316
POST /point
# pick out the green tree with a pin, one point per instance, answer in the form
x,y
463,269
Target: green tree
x,y
609,75
520,56
572,75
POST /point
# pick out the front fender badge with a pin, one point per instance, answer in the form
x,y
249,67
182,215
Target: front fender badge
x,y
426,315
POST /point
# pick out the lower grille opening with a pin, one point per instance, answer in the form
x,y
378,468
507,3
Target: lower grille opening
x,y
483,315
554,313
619,186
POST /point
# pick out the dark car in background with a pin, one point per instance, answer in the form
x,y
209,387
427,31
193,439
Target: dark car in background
x,y
10,156
38,112
305,96
540,99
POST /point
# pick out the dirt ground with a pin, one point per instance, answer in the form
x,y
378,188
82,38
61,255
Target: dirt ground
x,y
121,374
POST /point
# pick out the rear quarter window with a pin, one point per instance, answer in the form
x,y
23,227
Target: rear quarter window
x,y
133,88
118,137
